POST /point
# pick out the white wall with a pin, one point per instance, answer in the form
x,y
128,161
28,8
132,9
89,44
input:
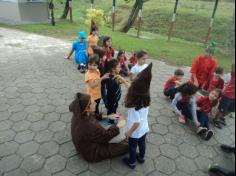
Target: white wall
x,y
34,11
20,11
9,10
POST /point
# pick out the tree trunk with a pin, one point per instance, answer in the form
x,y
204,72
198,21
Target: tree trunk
x,y
133,16
66,10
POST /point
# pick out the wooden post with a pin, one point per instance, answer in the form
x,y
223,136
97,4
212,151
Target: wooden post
x,y
113,15
140,18
173,20
70,9
92,22
212,21
51,7
92,4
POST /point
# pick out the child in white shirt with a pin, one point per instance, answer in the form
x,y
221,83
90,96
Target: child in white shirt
x,y
142,56
138,101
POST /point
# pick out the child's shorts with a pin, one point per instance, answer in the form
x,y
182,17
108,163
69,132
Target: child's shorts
x,y
227,105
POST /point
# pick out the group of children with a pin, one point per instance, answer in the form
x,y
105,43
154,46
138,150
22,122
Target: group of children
x,y
105,74
103,79
189,102
85,47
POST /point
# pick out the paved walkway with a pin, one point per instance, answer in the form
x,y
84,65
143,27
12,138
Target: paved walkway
x,y
36,87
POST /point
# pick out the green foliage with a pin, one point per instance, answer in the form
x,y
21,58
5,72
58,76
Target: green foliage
x,y
96,15
192,21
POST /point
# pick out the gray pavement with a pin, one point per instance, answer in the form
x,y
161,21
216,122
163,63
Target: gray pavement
x,y
36,87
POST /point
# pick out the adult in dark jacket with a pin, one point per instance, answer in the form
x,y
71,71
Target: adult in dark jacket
x,y
91,139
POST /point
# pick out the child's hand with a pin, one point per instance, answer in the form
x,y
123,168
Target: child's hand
x,y
121,123
106,76
182,119
196,83
115,117
178,83
128,134
120,79
203,86
67,58
198,108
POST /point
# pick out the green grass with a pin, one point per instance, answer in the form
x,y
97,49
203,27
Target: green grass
x,y
178,51
193,16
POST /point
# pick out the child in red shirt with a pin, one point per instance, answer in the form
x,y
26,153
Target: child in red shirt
x,y
216,81
204,107
203,67
133,60
170,87
107,47
122,60
227,103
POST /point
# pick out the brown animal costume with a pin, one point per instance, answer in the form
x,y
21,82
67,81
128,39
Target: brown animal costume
x,y
91,139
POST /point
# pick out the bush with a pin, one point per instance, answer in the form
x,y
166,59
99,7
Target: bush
x,y
95,15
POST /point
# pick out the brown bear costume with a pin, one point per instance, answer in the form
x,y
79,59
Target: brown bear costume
x,y
91,140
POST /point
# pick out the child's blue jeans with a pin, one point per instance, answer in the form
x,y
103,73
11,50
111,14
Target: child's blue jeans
x,y
133,144
170,92
185,108
203,119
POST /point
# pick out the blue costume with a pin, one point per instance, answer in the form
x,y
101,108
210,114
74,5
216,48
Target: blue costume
x,y
80,52
80,49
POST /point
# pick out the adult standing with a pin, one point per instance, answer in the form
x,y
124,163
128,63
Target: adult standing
x,y
203,67
91,140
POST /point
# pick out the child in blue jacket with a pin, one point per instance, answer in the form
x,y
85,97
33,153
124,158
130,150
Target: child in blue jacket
x,y
80,49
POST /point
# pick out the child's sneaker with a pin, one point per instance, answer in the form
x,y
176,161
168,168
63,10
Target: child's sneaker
x,y
201,130
82,68
217,170
140,160
217,124
126,162
182,119
209,135
223,121
227,149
